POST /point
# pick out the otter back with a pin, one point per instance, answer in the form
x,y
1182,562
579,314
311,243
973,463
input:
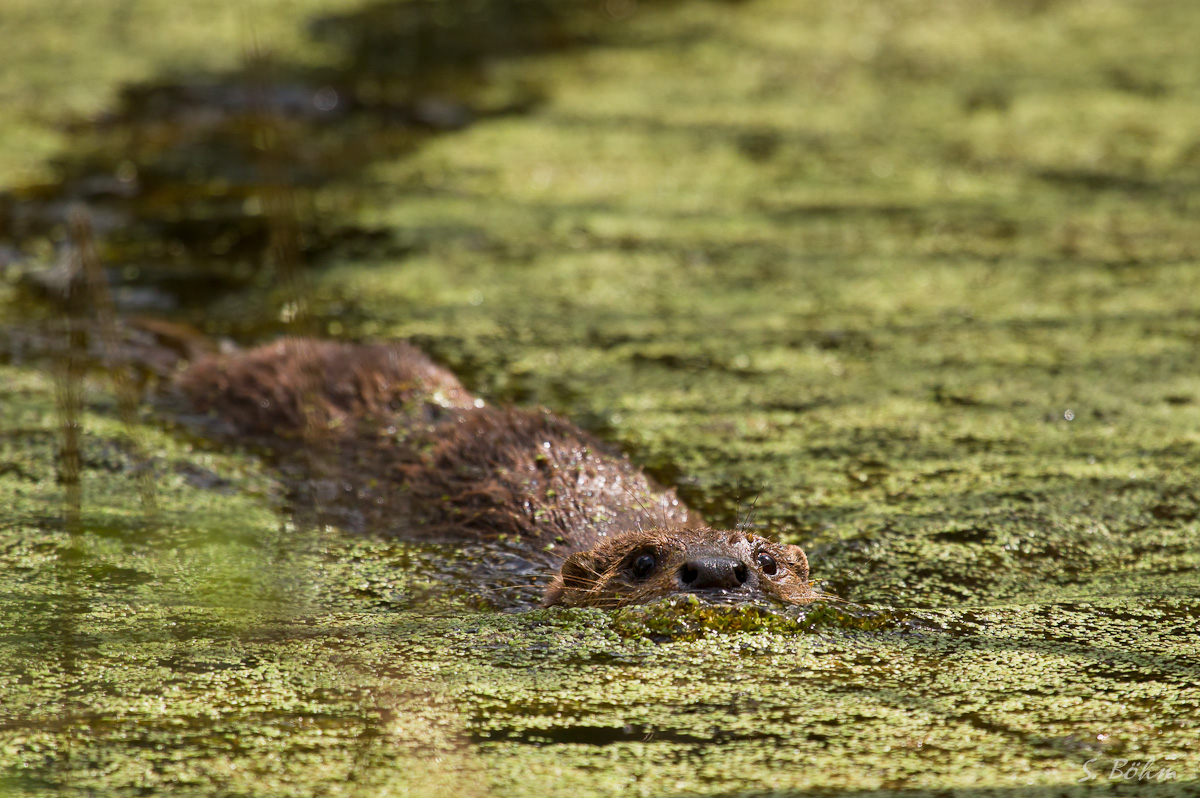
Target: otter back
x,y
403,448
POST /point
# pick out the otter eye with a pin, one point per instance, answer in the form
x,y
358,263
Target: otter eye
x,y
767,563
644,565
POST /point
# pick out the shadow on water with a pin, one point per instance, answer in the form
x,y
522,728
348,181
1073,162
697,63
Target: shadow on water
x,y
178,176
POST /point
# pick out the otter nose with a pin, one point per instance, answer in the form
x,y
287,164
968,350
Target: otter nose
x,y
711,573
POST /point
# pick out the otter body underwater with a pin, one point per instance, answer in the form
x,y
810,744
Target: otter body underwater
x,y
432,457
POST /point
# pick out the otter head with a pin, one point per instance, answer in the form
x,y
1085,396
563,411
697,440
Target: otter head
x,y
720,565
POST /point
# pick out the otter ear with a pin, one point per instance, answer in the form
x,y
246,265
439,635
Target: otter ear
x,y
798,560
578,572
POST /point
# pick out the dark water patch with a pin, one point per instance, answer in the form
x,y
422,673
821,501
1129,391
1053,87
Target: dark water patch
x,y
378,572
970,534
184,179
606,735
1095,180
193,664
114,576
203,478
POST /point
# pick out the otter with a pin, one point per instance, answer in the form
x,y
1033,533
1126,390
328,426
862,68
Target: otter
x,y
643,565
416,447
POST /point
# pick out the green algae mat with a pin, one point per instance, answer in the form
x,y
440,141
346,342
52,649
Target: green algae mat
x,y
917,281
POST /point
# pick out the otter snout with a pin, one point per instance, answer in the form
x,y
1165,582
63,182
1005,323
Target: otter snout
x,y
714,573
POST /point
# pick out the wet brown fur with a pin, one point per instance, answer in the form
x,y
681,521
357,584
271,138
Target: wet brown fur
x,y
299,386
416,448
532,476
